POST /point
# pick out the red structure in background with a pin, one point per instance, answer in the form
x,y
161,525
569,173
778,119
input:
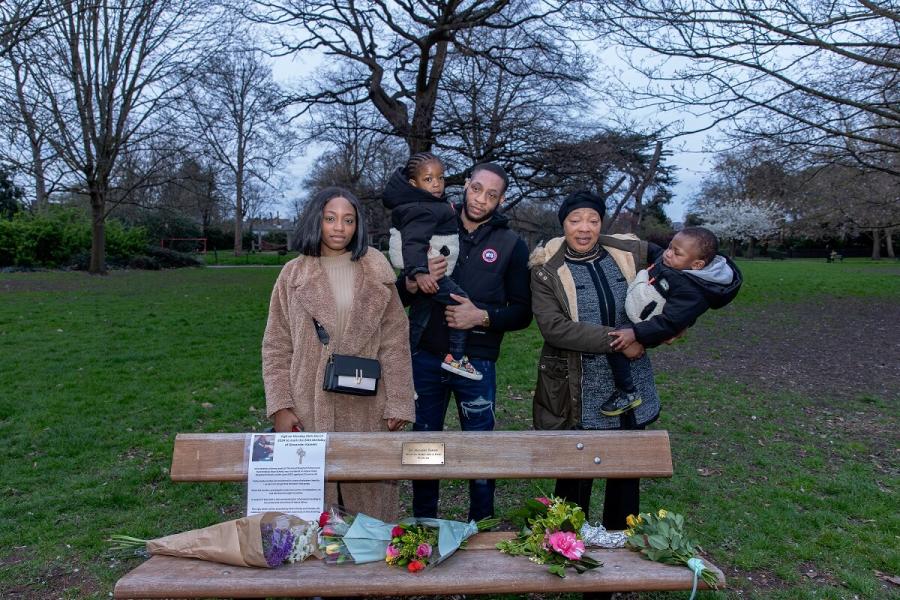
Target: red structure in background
x,y
162,242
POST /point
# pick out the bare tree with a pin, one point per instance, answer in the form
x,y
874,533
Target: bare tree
x,y
21,20
394,55
821,75
844,200
359,156
237,108
506,107
26,125
106,71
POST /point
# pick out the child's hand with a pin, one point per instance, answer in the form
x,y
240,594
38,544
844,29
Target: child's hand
x,y
427,283
437,266
624,338
411,286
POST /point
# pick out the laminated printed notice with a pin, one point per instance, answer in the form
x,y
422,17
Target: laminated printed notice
x,y
286,473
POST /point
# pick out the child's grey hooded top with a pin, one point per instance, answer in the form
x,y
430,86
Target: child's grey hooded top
x,y
688,294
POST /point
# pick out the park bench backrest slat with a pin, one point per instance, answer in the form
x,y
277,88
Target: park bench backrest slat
x,y
353,456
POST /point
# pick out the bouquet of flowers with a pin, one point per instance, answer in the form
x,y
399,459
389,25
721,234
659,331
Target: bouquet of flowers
x,y
661,538
419,543
334,524
413,543
264,540
549,536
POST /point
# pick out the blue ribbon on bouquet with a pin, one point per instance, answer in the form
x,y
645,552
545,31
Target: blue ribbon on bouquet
x,y
696,565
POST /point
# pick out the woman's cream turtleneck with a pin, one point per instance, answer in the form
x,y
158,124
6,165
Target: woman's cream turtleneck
x,y
341,272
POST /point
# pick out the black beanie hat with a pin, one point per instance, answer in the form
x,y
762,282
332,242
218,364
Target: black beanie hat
x,y
581,199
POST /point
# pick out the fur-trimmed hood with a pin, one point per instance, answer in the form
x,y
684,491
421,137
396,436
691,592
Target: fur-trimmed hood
x,y
621,246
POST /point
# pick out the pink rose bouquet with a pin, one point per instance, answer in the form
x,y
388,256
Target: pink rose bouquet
x,y
549,536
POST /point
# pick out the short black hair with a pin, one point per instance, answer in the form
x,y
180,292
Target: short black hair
x,y
416,161
707,242
308,235
496,170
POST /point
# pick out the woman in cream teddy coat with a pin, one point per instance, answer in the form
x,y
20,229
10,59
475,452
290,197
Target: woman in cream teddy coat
x,y
349,289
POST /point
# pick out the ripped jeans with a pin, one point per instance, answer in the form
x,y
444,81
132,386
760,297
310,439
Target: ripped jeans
x,y
475,405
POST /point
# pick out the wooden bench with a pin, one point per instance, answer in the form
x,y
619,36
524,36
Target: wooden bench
x,y
478,569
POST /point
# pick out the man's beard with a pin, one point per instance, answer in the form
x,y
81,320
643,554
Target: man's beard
x,y
469,216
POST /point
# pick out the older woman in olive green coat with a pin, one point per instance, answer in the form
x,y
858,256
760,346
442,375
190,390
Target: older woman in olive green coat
x,y
578,286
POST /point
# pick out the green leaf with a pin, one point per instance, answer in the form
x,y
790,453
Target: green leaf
x,y
654,555
558,570
657,541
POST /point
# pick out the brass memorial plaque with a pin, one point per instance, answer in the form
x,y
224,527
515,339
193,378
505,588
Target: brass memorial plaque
x,y
423,453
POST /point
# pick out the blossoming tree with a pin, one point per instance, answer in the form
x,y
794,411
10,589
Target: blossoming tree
x,y
740,220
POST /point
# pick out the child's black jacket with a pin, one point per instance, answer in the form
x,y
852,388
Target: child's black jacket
x,y
417,215
687,297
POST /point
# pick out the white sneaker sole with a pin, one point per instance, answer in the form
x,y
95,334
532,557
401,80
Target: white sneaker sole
x,y
462,372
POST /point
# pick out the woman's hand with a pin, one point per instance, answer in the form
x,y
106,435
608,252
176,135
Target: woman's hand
x,y
285,421
396,424
634,351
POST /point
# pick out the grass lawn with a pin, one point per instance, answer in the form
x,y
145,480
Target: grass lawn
x,y
791,493
227,258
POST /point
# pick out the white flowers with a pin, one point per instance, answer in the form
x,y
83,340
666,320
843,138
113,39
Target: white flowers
x,y
306,541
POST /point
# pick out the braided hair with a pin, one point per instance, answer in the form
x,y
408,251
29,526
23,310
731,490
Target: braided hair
x,y
416,161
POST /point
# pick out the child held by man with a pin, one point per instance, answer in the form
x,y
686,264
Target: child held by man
x,y
425,225
683,282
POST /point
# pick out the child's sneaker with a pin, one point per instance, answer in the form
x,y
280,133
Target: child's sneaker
x,y
619,402
461,367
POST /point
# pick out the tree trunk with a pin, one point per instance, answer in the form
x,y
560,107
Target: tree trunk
x,y
750,248
35,138
40,182
876,244
889,242
98,235
642,187
239,214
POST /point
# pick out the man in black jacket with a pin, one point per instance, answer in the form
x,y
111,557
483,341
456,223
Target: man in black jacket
x,y
493,269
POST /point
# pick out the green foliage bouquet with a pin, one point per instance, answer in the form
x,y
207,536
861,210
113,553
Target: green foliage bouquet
x,y
549,536
661,538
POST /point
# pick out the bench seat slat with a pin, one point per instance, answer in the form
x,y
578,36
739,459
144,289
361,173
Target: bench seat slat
x,y
354,456
479,569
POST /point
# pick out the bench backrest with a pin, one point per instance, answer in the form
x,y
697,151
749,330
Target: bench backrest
x,y
352,456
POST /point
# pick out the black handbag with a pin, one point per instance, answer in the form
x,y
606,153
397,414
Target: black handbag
x,y
349,374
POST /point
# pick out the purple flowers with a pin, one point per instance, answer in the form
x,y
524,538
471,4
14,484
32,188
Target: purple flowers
x,y
277,544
